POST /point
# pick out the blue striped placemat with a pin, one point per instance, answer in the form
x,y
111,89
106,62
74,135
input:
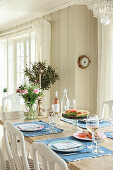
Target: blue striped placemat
x,y
43,131
75,157
83,124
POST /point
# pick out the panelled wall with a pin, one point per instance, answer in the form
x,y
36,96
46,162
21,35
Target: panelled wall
x,y
74,33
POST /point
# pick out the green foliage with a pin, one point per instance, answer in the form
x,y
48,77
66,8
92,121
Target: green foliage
x,y
48,74
5,90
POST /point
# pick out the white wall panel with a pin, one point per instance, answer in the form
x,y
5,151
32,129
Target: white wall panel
x,y
74,33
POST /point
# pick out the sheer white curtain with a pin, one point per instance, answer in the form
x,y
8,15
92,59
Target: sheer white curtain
x,y
42,30
9,64
105,65
3,68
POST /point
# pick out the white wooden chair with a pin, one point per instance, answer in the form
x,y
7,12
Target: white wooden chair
x,y
108,103
14,139
2,162
49,159
13,103
13,106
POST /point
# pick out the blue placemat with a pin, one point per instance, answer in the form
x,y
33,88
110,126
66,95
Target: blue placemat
x,y
75,157
109,134
101,124
43,131
83,124
71,121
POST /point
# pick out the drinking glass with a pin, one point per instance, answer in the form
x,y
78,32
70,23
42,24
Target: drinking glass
x,y
52,122
98,137
72,104
92,124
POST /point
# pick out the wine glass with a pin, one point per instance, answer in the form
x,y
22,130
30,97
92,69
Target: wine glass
x,y
72,104
92,124
98,137
52,123
52,120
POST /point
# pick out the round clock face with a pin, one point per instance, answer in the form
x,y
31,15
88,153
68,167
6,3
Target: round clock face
x,y
83,61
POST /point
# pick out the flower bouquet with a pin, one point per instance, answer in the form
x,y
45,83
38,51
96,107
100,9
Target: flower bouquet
x,y
30,93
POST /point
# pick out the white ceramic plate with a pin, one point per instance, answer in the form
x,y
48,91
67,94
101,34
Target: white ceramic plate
x,y
85,138
84,120
78,137
77,146
30,127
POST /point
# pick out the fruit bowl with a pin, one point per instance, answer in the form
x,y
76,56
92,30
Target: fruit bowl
x,y
75,114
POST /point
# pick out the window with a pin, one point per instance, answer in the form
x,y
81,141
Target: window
x,y
22,59
25,54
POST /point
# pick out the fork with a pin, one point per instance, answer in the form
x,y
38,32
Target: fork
x,y
75,153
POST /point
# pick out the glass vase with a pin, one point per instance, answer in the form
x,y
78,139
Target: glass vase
x,y
30,111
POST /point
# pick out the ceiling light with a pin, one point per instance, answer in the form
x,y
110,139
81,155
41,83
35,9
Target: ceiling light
x,y
102,10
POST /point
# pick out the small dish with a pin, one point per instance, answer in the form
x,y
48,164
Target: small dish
x,y
79,135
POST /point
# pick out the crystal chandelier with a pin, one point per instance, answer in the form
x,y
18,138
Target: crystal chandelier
x,y
102,9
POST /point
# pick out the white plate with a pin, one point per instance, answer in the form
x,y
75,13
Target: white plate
x,y
86,138
77,146
30,127
76,136
84,120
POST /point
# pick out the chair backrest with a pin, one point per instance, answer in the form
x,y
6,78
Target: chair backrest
x,y
49,159
108,103
2,162
14,139
13,102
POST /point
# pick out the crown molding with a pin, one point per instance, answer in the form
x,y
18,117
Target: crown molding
x,y
42,14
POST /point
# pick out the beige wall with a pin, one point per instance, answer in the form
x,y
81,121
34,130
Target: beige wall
x,y
74,33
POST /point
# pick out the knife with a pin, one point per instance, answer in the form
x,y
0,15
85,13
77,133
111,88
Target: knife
x,y
74,153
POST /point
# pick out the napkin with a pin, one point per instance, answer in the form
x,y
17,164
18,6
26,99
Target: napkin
x,y
67,145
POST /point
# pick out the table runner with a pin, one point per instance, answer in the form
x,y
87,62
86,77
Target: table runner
x,y
83,124
43,131
75,157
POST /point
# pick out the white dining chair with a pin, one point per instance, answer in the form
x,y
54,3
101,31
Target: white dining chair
x,y
15,146
13,103
49,159
4,165
13,106
109,104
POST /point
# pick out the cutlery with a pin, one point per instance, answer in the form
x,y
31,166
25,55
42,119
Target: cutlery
x,y
74,153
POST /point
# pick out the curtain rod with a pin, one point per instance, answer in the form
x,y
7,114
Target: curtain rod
x,y
15,31
21,27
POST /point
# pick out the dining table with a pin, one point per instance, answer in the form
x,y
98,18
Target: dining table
x,y
96,163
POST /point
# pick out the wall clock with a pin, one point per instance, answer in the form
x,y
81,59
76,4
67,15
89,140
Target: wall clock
x,y
83,61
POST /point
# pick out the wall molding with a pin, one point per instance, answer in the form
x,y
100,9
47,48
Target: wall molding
x,y
31,19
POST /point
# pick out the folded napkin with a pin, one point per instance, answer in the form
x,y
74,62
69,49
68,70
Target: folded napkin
x,y
67,145
109,134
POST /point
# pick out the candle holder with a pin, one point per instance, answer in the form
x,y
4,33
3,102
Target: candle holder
x,y
39,106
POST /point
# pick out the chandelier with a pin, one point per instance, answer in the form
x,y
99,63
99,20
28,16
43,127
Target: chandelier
x,y
102,10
